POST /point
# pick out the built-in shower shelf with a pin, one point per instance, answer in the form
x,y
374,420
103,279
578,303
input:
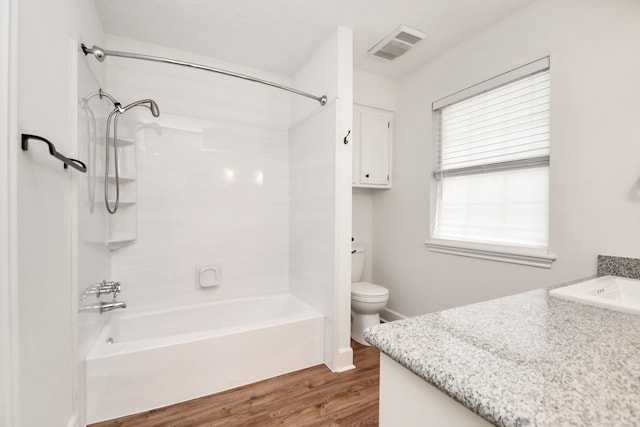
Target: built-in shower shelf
x,y
122,226
122,203
119,227
119,243
122,179
123,141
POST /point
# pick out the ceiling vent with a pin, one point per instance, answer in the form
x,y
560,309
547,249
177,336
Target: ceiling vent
x,y
397,43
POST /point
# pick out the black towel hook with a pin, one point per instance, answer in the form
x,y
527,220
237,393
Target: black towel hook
x,y
76,164
345,140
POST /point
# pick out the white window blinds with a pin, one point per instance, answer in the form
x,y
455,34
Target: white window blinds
x,y
493,170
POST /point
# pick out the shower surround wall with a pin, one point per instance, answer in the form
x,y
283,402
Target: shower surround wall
x,y
237,175
213,182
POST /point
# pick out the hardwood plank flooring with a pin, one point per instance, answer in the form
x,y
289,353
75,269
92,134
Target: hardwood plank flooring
x,y
310,397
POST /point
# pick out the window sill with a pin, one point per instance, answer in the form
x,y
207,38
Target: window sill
x,y
497,253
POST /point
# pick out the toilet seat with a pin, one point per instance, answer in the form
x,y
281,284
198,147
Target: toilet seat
x,y
365,291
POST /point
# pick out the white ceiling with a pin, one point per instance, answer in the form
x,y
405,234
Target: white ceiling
x,y
279,35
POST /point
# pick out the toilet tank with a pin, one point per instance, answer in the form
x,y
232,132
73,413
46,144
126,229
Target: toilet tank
x,y
357,264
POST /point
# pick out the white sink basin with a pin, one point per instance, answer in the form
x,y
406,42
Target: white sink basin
x,y
615,293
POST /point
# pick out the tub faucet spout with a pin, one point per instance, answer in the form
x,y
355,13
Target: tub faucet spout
x,y
108,306
103,306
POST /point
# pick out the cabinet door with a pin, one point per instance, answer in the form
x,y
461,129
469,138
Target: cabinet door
x,y
375,131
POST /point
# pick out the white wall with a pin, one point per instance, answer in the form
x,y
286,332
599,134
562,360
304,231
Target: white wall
x,y
374,90
212,179
595,152
379,92
362,226
320,194
46,107
9,391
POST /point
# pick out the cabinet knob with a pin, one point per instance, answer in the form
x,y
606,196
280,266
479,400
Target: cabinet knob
x,y
367,175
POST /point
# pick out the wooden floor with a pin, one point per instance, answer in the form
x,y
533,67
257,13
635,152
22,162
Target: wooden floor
x,y
310,397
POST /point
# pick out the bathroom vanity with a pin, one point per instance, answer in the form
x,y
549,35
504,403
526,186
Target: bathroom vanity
x,y
525,360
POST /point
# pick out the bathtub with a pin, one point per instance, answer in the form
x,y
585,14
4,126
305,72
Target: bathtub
x,y
146,360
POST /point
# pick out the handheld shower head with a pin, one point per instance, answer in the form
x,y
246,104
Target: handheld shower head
x,y
155,111
149,103
117,111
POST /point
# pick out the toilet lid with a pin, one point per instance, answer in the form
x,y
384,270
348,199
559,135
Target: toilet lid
x,y
365,289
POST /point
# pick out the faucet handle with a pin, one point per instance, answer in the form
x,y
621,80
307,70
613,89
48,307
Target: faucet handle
x,y
116,290
110,288
101,288
92,289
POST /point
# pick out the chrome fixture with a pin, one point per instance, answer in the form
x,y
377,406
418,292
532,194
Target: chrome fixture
x,y
92,148
113,288
103,306
149,103
104,94
117,111
108,306
100,54
101,288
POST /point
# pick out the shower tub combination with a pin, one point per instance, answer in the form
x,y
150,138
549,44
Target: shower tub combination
x,y
146,360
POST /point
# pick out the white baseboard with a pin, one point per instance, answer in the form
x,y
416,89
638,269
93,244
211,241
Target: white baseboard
x,y
345,359
388,315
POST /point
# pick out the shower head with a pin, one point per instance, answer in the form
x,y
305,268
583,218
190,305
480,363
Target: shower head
x,y
155,111
149,103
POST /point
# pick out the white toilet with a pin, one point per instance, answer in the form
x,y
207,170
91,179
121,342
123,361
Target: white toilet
x,y
367,299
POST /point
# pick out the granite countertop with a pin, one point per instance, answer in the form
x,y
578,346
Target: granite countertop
x,y
526,360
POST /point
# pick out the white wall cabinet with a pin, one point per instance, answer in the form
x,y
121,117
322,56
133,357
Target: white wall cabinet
x,y
372,144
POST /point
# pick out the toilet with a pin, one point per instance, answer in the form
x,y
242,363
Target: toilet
x,y
367,299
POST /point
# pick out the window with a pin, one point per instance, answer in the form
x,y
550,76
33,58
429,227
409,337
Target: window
x,y
492,176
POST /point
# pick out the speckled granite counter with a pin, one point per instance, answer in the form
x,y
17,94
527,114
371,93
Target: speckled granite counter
x,y
526,360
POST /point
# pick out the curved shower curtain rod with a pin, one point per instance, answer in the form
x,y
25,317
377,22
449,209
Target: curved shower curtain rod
x,y
101,53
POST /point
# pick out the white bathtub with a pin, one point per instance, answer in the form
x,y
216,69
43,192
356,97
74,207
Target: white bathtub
x,y
167,356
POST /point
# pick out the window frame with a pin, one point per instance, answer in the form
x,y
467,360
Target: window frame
x,y
530,256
